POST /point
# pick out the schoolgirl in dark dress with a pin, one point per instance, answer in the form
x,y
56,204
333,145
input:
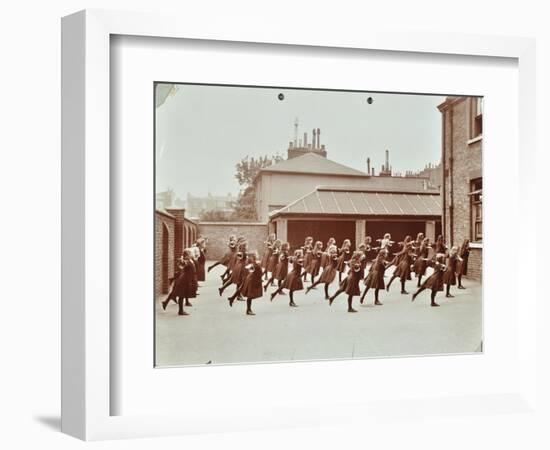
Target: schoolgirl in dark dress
x,y
370,251
345,255
237,271
401,253
403,270
364,261
281,269
293,280
421,262
449,277
385,243
267,251
464,254
375,278
329,272
273,258
314,266
325,258
440,246
226,258
435,280
351,284
251,287
200,258
185,285
418,242
308,253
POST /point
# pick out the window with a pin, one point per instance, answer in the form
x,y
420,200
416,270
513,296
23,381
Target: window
x,y
477,117
476,201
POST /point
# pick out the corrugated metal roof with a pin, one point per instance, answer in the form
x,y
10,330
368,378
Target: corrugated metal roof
x,y
361,202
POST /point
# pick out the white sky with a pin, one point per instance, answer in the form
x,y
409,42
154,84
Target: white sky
x,y
203,131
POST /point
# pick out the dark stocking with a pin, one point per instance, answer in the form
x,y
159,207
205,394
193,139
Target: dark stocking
x,y
419,280
278,291
249,307
214,265
376,301
403,291
291,303
312,286
350,300
434,292
181,312
365,293
336,294
269,282
224,287
225,275
326,291
418,292
391,280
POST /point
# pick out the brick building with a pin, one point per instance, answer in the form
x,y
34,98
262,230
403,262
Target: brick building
x,y
308,167
462,189
173,233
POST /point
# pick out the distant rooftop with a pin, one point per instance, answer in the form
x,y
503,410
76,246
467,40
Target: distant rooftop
x,y
313,163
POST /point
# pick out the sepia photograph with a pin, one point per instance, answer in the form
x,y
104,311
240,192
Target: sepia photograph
x,y
296,224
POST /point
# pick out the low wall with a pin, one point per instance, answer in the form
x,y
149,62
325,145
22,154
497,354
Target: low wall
x,y
218,233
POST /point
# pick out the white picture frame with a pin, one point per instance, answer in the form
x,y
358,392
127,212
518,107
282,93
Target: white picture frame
x,y
87,356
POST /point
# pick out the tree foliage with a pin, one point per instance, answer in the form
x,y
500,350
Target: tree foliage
x,y
246,171
248,168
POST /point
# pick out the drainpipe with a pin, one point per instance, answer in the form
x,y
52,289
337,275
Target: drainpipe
x,y
444,181
451,191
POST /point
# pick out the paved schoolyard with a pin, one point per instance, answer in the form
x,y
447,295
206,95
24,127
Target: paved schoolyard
x,y
217,334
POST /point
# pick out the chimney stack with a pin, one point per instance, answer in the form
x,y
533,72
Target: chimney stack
x,y
387,160
368,165
314,138
318,138
305,140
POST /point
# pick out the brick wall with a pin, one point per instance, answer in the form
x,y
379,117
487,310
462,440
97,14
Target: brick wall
x,y
218,232
462,162
164,251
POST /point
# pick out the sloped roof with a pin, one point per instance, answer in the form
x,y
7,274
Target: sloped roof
x,y
312,163
363,202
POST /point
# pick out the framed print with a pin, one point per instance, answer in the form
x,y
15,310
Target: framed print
x,y
252,214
